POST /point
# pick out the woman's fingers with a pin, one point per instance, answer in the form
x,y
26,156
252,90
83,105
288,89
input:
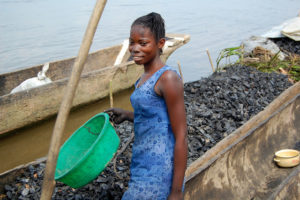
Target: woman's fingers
x,y
116,115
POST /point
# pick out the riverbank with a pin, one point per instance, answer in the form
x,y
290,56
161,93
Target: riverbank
x,y
216,106
289,66
279,55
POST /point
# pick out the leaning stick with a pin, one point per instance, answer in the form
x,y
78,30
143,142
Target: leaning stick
x,y
49,183
211,63
179,67
111,98
242,55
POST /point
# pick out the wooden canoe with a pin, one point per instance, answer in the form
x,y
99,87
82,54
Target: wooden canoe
x,y
241,165
28,106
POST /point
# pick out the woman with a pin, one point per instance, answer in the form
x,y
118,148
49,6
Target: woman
x,y
159,152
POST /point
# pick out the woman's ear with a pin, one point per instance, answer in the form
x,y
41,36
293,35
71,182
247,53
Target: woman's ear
x,y
161,43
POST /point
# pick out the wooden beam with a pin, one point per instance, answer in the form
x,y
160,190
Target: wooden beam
x,y
49,183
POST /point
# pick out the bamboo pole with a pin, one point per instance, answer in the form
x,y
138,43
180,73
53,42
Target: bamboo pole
x,y
49,183
179,67
242,55
211,63
111,95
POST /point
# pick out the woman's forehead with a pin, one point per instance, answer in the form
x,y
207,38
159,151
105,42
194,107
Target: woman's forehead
x,y
141,31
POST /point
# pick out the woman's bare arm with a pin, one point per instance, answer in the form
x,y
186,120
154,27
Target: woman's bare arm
x,y
170,87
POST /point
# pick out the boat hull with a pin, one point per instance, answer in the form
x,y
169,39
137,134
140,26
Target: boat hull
x,y
241,166
29,106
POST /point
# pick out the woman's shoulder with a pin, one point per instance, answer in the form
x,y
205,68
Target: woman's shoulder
x,y
170,75
168,81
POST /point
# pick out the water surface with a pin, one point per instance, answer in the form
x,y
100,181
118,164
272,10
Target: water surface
x,y
33,32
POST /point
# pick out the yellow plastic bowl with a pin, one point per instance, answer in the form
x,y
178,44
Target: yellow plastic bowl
x,y
287,158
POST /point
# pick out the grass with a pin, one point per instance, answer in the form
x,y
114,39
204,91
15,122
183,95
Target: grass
x,y
227,53
263,61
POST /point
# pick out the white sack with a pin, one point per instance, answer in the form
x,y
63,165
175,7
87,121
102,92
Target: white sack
x,y
41,79
292,29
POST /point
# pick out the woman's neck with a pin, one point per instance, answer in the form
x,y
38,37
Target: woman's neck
x,y
153,66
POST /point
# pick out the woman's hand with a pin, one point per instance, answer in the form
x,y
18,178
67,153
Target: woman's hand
x,y
118,115
175,195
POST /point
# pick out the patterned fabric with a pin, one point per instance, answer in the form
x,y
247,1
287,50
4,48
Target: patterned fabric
x,y
152,152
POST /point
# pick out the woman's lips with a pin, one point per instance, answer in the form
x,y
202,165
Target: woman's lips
x,y
137,58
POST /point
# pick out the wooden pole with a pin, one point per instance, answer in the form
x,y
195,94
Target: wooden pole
x,y
49,183
111,95
242,55
179,67
211,63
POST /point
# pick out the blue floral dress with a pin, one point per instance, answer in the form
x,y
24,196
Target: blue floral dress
x,y
152,152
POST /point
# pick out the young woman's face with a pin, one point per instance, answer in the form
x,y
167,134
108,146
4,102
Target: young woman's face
x,y
142,45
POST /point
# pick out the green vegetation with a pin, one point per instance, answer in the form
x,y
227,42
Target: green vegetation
x,y
263,61
227,53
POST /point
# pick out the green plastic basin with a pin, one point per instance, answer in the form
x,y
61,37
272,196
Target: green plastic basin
x,y
87,152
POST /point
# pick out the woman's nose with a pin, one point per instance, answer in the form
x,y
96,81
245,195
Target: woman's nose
x,y
134,48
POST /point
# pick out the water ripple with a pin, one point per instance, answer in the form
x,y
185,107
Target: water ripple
x,y
33,32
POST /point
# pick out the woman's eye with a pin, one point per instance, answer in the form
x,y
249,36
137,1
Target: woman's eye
x,y
143,43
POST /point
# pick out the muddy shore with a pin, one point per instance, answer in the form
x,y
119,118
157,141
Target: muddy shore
x,y
216,106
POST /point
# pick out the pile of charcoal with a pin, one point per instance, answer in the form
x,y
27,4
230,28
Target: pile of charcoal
x,y
215,106
287,45
221,103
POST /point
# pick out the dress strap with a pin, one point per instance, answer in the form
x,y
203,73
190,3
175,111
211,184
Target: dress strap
x,y
154,78
136,83
161,71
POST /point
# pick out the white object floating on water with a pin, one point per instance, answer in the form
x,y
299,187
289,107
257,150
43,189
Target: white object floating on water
x,y
41,79
289,28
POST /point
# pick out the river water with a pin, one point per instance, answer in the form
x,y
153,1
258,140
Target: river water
x,y
33,32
